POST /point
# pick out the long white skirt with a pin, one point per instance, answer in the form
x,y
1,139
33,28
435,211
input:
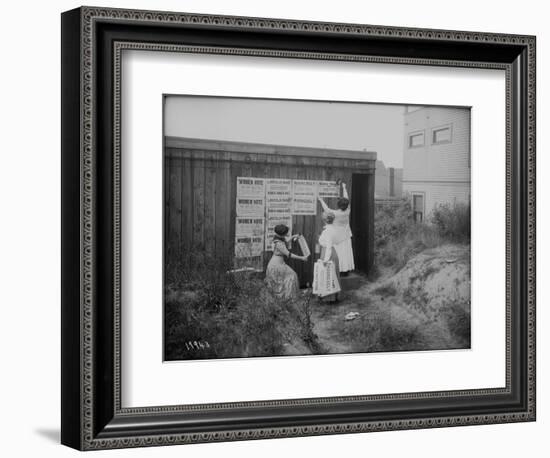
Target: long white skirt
x,y
345,255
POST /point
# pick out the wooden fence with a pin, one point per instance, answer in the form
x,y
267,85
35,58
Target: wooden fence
x,y
200,193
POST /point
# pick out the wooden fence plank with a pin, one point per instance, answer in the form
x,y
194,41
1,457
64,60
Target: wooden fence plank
x,y
198,200
222,207
187,200
175,205
210,205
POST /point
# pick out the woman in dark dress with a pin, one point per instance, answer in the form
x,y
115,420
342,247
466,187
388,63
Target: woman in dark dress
x,y
280,278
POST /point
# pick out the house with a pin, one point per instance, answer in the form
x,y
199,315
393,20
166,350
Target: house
x,y
436,157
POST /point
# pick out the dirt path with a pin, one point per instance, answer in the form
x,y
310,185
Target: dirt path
x,y
325,316
329,317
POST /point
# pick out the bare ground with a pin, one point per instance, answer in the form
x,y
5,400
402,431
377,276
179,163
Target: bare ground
x,y
424,306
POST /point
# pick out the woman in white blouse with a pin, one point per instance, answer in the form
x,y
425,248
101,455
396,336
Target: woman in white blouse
x,y
342,231
328,249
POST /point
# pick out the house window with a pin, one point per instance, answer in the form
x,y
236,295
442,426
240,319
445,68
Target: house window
x,y
416,139
441,135
418,207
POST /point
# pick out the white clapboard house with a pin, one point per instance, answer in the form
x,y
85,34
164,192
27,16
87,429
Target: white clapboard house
x,y
436,157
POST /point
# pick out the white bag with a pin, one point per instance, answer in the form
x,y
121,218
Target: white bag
x,y
325,281
303,246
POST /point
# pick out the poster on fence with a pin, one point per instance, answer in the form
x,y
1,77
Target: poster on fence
x,y
247,206
249,223
278,196
248,247
304,197
250,196
247,226
250,187
328,189
271,222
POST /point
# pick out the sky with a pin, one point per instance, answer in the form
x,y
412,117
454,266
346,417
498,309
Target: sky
x,y
339,125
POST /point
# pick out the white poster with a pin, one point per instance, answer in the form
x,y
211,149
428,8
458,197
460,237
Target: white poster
x,y
250,196
249,223
304,197
271,222
247,206
250,187
328,189
249,247
278,195
249,226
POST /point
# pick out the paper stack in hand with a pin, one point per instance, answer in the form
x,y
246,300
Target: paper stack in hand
x,y
325,281
303,246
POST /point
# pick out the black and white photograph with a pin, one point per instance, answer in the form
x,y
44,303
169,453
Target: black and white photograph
x,y
305,227
248,229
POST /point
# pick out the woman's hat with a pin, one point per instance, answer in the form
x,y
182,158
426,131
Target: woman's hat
x,y
281,229
343,203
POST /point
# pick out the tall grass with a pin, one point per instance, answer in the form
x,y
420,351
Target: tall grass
x,y
453,221
398,238
210,313
383,331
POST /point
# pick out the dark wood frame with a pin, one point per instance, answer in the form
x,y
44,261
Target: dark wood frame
x,y
92,39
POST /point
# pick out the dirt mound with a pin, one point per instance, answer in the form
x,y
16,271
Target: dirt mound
x,y
435,277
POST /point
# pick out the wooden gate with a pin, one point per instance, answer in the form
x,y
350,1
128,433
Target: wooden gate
x,y
200,193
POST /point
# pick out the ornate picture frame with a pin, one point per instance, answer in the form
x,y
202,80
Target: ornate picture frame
x,y
93,416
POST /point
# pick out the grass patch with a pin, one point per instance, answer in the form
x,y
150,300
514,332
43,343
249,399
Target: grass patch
x,y
456,316
423,274
387,330
385,290
210,313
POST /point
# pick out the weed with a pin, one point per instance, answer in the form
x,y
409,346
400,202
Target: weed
x,y
398,238
385,290
210,313
452,221
456,316
386,330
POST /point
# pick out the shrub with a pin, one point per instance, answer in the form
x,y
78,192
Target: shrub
x,y
397,238
391,222
453,221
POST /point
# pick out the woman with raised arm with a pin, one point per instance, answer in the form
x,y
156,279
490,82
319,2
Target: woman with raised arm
x,y
342,230
281,280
